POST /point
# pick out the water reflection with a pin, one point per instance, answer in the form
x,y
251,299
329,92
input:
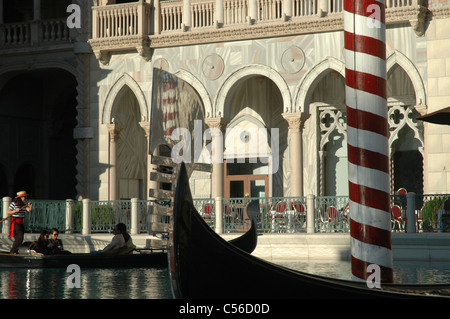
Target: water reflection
x,y
153,283
405,272
125,283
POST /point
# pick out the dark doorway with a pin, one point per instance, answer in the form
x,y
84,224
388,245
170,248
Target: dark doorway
x,y
37,118
408,171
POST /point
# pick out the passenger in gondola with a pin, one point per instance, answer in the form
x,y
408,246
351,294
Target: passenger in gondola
x,y
41,245
121,242
55,244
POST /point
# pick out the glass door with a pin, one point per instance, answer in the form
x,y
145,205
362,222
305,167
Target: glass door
x,y
243,182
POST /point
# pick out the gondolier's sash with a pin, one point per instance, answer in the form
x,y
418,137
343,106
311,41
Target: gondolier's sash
x,y
14,221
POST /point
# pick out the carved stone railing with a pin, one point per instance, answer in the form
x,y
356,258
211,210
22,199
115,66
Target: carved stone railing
x,y
121,27
143,25
34,33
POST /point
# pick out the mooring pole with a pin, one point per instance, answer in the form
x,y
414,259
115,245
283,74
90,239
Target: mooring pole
x,y
367,136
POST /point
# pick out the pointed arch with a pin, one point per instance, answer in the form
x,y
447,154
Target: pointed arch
x,y
307,84
124,80
406,64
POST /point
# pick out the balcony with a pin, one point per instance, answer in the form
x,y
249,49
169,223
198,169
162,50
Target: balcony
x,y
121,27
142,26
34,35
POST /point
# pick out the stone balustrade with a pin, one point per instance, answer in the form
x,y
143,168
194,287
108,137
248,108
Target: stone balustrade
x,y
144,25
34,33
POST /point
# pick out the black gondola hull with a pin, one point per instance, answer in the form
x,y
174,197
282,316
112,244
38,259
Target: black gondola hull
x,y
203,265
155,259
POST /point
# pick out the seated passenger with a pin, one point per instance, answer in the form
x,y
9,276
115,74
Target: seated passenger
x,y
55,244
41,245
121,242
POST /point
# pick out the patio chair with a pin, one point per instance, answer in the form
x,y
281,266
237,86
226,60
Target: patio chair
x,y
299,213
227,212
332,218
397,218
207,212
279,217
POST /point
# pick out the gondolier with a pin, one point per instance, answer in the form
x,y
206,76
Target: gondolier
x,y
18,208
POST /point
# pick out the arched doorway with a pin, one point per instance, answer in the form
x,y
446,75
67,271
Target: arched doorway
x,y
329,98
132,146
37,118
254,107
406,133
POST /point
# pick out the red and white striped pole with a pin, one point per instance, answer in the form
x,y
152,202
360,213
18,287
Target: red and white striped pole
x,y
367,136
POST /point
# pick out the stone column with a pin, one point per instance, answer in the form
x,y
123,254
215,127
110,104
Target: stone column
x,y
1,12
323,8
69,216
34,25
86,225
150,167
217,126
187,15
114,131
411,212
252,11
219,14
295,152
287,9
134,216
37,10
6,202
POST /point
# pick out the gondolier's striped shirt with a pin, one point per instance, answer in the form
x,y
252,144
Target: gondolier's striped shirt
x,y
19,214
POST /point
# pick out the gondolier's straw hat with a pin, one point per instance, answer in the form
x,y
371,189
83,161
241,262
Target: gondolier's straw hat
x,y
22,194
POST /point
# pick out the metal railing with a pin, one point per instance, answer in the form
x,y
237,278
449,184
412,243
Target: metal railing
x,y
276,214
330,213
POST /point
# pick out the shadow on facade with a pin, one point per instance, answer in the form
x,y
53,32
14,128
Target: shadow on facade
x,y
37,118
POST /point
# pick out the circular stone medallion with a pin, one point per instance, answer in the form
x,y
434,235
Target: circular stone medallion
x,y
161,64
293,59
213,66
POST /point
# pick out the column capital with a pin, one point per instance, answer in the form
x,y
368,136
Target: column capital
x,y
294,120
114,131
217,122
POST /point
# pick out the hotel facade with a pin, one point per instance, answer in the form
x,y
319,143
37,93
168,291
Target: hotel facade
x,y
76,100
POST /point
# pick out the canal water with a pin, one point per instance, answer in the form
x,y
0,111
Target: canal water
x,y
405,272
58,283
153,283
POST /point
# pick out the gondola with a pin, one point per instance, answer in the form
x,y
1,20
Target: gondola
x,y
154,257
203,265
140,258
248,241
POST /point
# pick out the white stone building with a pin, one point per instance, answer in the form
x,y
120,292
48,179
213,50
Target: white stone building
x,y
75,103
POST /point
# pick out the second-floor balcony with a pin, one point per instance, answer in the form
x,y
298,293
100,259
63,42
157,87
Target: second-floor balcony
x,y
145,25
14,36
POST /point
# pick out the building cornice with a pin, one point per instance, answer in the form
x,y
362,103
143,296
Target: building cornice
x,y
417,16
334,22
